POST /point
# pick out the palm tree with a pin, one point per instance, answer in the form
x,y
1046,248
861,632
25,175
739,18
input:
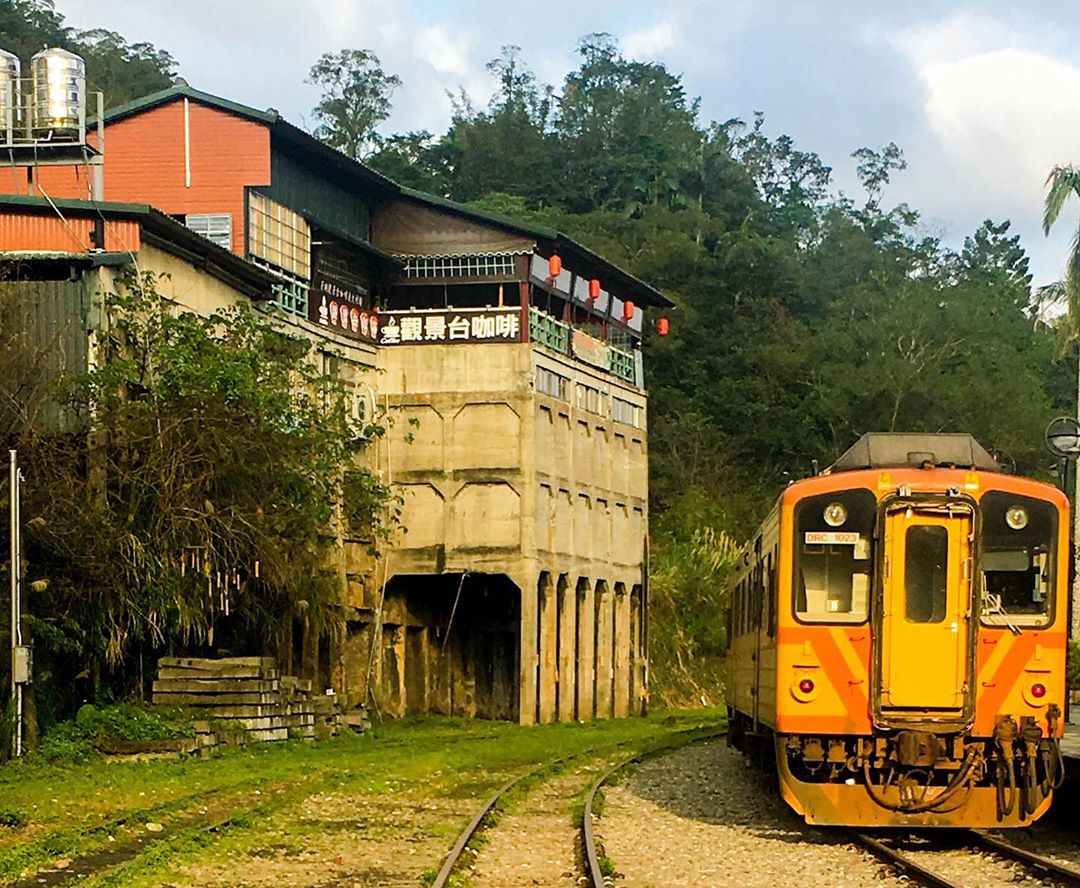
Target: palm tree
x,y
1063,183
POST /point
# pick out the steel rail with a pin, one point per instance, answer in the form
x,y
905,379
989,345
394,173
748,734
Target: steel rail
x,y
906,864
454,855
588,834
1058,871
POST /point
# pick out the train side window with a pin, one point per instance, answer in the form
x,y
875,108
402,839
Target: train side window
x,y
926,564
742,607
833,547
771,593
738,608
1018,558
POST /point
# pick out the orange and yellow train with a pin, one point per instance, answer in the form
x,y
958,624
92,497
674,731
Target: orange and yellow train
x,y
897,636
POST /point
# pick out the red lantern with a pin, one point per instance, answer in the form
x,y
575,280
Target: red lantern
x,y
554,265
628,310
594,289
662,326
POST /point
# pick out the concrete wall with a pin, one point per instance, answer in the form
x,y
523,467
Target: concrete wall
x,y
499,479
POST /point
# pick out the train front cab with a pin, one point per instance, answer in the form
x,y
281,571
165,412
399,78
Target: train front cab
x,y
920,648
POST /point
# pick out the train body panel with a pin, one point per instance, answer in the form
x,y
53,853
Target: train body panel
x,y
897,635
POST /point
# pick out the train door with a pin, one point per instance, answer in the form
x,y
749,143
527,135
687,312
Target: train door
x,y
926,602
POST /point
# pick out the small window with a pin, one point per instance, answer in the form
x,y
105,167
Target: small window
x,y
216,227
926,565
1018,555
834,556
551,383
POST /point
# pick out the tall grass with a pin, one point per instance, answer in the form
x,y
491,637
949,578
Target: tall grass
x,y
687,597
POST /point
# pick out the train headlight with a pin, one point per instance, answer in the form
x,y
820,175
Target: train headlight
x,y
1038,691
1016,517
807,686
835,514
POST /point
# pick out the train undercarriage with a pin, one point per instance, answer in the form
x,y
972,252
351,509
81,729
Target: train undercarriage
x,y
915,777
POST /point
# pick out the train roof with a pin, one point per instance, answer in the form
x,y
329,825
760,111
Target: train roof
x,y
894,450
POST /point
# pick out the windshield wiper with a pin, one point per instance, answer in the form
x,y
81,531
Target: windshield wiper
x,y
992,605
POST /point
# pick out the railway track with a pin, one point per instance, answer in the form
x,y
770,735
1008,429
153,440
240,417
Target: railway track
x,y
594,868
482,817
915,865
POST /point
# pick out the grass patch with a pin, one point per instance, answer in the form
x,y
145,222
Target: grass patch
x,y
70,808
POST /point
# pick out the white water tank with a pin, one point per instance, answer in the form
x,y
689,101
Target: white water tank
x,y
59,79
10,106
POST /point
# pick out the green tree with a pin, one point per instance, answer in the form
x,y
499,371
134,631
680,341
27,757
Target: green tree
x,y
628,131
123,71
197,508
356,94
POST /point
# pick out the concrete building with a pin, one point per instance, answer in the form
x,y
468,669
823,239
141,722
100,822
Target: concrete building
x,y
508,358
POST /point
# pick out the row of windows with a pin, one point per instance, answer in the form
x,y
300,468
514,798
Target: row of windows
x,y
279,236
460,266
753,600
589,398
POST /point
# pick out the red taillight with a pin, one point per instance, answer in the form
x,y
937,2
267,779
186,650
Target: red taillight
x,y
806,685
1038,691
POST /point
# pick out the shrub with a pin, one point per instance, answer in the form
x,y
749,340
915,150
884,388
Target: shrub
x,y
13,819
1072,665
77,741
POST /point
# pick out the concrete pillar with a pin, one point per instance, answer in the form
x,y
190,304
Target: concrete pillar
x,y
548,627
441,672
621,705
586,650
393,702
567,603
605,624
502,679
527,652
637,653
417,675
463,675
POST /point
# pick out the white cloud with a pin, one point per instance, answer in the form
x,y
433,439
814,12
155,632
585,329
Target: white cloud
x,y
649,42
443,50
999,112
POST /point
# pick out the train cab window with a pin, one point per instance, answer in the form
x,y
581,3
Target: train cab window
x,y
926,564
833,545
1018,545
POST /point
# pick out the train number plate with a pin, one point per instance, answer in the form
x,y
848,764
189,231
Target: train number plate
x,y
832,538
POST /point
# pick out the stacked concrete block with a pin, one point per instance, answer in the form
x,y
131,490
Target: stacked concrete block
x,y
243,699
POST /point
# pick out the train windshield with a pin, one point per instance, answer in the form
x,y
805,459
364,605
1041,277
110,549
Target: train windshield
x,y
1019,537
834,536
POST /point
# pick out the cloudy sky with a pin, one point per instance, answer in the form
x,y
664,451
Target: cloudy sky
x,y
983,98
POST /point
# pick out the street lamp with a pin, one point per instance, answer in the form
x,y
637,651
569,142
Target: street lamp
x,y
1063,439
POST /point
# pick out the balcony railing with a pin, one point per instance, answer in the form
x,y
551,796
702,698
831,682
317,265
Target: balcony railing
x,y
549,332
561,337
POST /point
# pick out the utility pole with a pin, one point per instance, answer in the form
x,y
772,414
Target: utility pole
x,y
20,653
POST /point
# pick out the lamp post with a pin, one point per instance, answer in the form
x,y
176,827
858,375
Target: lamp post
x,y
1063,439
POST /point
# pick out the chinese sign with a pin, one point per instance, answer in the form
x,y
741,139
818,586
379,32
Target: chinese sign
x,y
425,327
339,298
590,350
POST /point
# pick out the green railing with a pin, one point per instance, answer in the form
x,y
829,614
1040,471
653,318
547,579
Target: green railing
x,y
556,335
549,332
621,364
